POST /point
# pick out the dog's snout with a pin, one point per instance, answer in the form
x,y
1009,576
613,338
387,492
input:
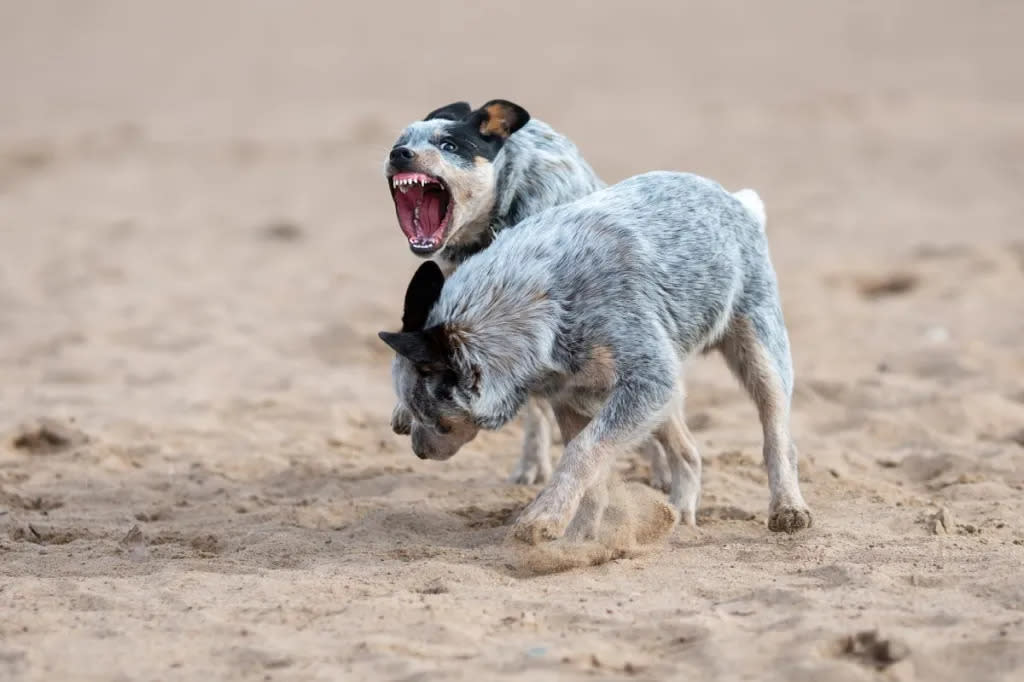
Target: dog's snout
x,y
402,154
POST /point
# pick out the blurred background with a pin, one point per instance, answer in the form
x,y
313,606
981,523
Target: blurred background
x,y
147,146
197,249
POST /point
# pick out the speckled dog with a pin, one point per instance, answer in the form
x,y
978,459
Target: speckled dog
x,y
461,176
595,305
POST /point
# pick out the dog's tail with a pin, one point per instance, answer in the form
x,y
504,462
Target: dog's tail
x,y
753,204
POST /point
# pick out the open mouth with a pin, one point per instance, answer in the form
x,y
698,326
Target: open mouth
x,y
423,205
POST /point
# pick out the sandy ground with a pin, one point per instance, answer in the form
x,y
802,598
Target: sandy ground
x,y
197,250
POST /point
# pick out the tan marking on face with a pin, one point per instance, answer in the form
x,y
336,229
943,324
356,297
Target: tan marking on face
x,y
460,432
428,442
472,192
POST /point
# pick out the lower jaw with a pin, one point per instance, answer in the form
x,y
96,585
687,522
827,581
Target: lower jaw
x,y
425,248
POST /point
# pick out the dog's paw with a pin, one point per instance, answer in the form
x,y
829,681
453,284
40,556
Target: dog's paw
x,y
536,531
539,522
401,421
686,500
789,519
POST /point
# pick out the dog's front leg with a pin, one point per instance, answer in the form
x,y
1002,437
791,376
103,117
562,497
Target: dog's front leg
x,y
548,516
623,420
535,462
586,524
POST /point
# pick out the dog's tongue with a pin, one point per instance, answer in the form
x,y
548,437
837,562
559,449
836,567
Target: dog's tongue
x,y
420,214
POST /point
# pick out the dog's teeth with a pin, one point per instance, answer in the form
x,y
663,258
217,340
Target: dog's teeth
x,y
403,189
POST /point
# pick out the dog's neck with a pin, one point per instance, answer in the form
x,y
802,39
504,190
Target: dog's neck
x,y
480,233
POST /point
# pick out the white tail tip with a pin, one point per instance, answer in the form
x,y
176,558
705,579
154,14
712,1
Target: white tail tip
x,y
752,202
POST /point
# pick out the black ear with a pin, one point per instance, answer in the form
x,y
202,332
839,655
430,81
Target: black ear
x,y
499,118
422,347
456,111
423,292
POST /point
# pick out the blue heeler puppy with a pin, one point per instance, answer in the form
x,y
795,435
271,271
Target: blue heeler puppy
x,y
461,176
595,305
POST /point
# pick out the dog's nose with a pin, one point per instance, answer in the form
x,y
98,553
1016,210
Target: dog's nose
x,y
399,154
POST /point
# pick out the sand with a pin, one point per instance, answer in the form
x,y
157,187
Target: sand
x,y
197,479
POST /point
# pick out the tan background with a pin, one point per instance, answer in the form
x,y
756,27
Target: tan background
x,y
197,249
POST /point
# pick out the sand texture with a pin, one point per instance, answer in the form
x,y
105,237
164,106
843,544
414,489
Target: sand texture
x,y
197,249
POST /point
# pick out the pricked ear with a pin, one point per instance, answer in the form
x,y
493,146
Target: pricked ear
x,y
423,292
500,118
421,347
456,111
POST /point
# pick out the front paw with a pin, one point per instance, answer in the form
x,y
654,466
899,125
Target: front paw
x,y
539,522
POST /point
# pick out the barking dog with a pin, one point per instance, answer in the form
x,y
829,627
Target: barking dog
x,y
461,176
595,305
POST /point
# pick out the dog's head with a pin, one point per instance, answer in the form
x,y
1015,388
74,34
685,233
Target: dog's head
x,y
433,383
441,170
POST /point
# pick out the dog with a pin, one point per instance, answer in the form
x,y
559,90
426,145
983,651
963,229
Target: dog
x,y
461,176
595,305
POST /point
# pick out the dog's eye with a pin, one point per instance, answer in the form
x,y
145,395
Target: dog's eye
x,y
448,146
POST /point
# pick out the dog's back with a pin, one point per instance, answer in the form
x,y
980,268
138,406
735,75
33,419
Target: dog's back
x,y
674,246
595,305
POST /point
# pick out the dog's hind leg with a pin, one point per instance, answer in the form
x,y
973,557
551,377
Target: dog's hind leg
x,y
756,348
549,415
535,461
661,471
684,463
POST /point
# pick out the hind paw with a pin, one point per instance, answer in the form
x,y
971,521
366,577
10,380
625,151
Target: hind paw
x,y
789,519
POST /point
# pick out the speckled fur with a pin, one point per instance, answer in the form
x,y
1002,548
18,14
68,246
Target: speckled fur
x,y
537,168
642,275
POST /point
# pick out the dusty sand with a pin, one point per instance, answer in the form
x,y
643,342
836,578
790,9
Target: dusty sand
x,y
198,250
